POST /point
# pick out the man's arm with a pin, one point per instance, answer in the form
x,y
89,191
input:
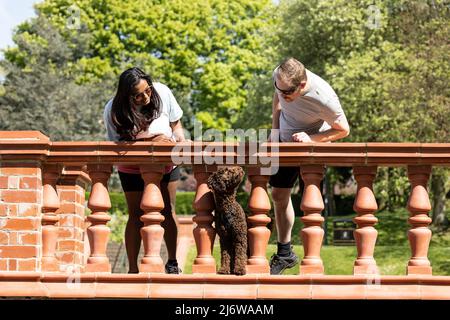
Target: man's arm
x,y
276,110
177,130
339,129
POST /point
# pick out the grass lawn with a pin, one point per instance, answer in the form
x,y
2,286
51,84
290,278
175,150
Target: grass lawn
x,y
339,260
392,251
392,230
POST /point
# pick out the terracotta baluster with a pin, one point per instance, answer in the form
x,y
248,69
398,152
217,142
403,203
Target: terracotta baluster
x,y
204,233
419,235
312,206
365,235
98,232
152,232
50,205
258,233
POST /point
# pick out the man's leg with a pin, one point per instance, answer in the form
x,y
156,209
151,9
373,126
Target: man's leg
x,y
284,213
282,183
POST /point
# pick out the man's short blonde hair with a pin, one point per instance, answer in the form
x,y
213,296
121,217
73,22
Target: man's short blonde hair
x,y
292,71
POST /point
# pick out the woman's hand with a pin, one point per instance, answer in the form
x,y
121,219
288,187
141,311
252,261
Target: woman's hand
x,y
157,138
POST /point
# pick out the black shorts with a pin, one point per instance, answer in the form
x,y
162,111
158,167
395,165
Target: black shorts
x,y
134,181
285,177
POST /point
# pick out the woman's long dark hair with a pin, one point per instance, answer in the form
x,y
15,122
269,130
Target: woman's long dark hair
x,y
128,121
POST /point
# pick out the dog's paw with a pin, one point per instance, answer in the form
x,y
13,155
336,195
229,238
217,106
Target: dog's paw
x,y
239,271
223,271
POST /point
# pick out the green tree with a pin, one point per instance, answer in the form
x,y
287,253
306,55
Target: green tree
x,y
41,95
207,51
388,62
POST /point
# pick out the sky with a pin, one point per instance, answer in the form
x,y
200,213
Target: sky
x,y
12,13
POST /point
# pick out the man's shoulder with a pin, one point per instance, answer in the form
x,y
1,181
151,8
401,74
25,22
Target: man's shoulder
x,y
320,89
316,80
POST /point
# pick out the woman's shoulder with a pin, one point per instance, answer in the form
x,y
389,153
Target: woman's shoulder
x,y
161,87
108,105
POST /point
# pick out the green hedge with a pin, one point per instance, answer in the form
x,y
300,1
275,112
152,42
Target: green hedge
x,y
185,199
119,212
392,227
184,202
119,204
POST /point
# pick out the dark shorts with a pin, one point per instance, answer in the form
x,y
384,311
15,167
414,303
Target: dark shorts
x,y
285,177
134,182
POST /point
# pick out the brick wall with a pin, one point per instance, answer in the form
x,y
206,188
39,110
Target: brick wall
x,y
21,199
20,204
71,226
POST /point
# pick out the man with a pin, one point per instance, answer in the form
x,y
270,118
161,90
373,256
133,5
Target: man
x,y
305,109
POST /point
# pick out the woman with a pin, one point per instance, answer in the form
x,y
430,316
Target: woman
x,y
142,109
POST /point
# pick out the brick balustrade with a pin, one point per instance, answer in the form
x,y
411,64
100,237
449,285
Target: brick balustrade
x,y
42,185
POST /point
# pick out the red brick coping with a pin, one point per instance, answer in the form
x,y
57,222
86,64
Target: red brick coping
x,y
202,286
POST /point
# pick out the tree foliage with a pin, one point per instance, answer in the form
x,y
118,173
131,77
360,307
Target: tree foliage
x,y
207,51
388,62
40,94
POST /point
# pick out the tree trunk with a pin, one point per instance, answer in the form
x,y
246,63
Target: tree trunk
x,y
440,221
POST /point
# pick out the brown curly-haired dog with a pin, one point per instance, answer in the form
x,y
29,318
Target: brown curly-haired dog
x,y
230,220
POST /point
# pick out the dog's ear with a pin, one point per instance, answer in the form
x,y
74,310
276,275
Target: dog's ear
x,y
216,183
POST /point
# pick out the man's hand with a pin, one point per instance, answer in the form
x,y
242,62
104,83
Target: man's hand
x,y
301,137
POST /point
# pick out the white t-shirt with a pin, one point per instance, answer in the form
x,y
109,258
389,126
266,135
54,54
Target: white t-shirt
x,y
170,112
312,112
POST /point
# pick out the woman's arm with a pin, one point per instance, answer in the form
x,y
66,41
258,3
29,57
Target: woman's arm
x,y
177,130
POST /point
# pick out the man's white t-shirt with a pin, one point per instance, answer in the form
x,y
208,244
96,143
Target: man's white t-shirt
x,y
170,112
312,112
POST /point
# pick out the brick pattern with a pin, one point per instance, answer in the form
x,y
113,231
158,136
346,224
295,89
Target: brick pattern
x,y
70,243
20,214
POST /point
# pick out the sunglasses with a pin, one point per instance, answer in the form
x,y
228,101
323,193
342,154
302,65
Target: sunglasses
x,y
140,96
285,92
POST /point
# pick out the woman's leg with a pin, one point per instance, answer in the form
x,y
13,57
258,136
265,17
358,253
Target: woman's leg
x,y
170,224
133,229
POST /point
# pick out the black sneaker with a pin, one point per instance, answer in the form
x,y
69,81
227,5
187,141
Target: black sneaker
x,y
279,263
172,268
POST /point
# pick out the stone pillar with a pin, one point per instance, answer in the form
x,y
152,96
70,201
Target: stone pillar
x,y
22,154
98,232
49,217
152,232
71,188
204,233
258,233
419,235
312,206
365,235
